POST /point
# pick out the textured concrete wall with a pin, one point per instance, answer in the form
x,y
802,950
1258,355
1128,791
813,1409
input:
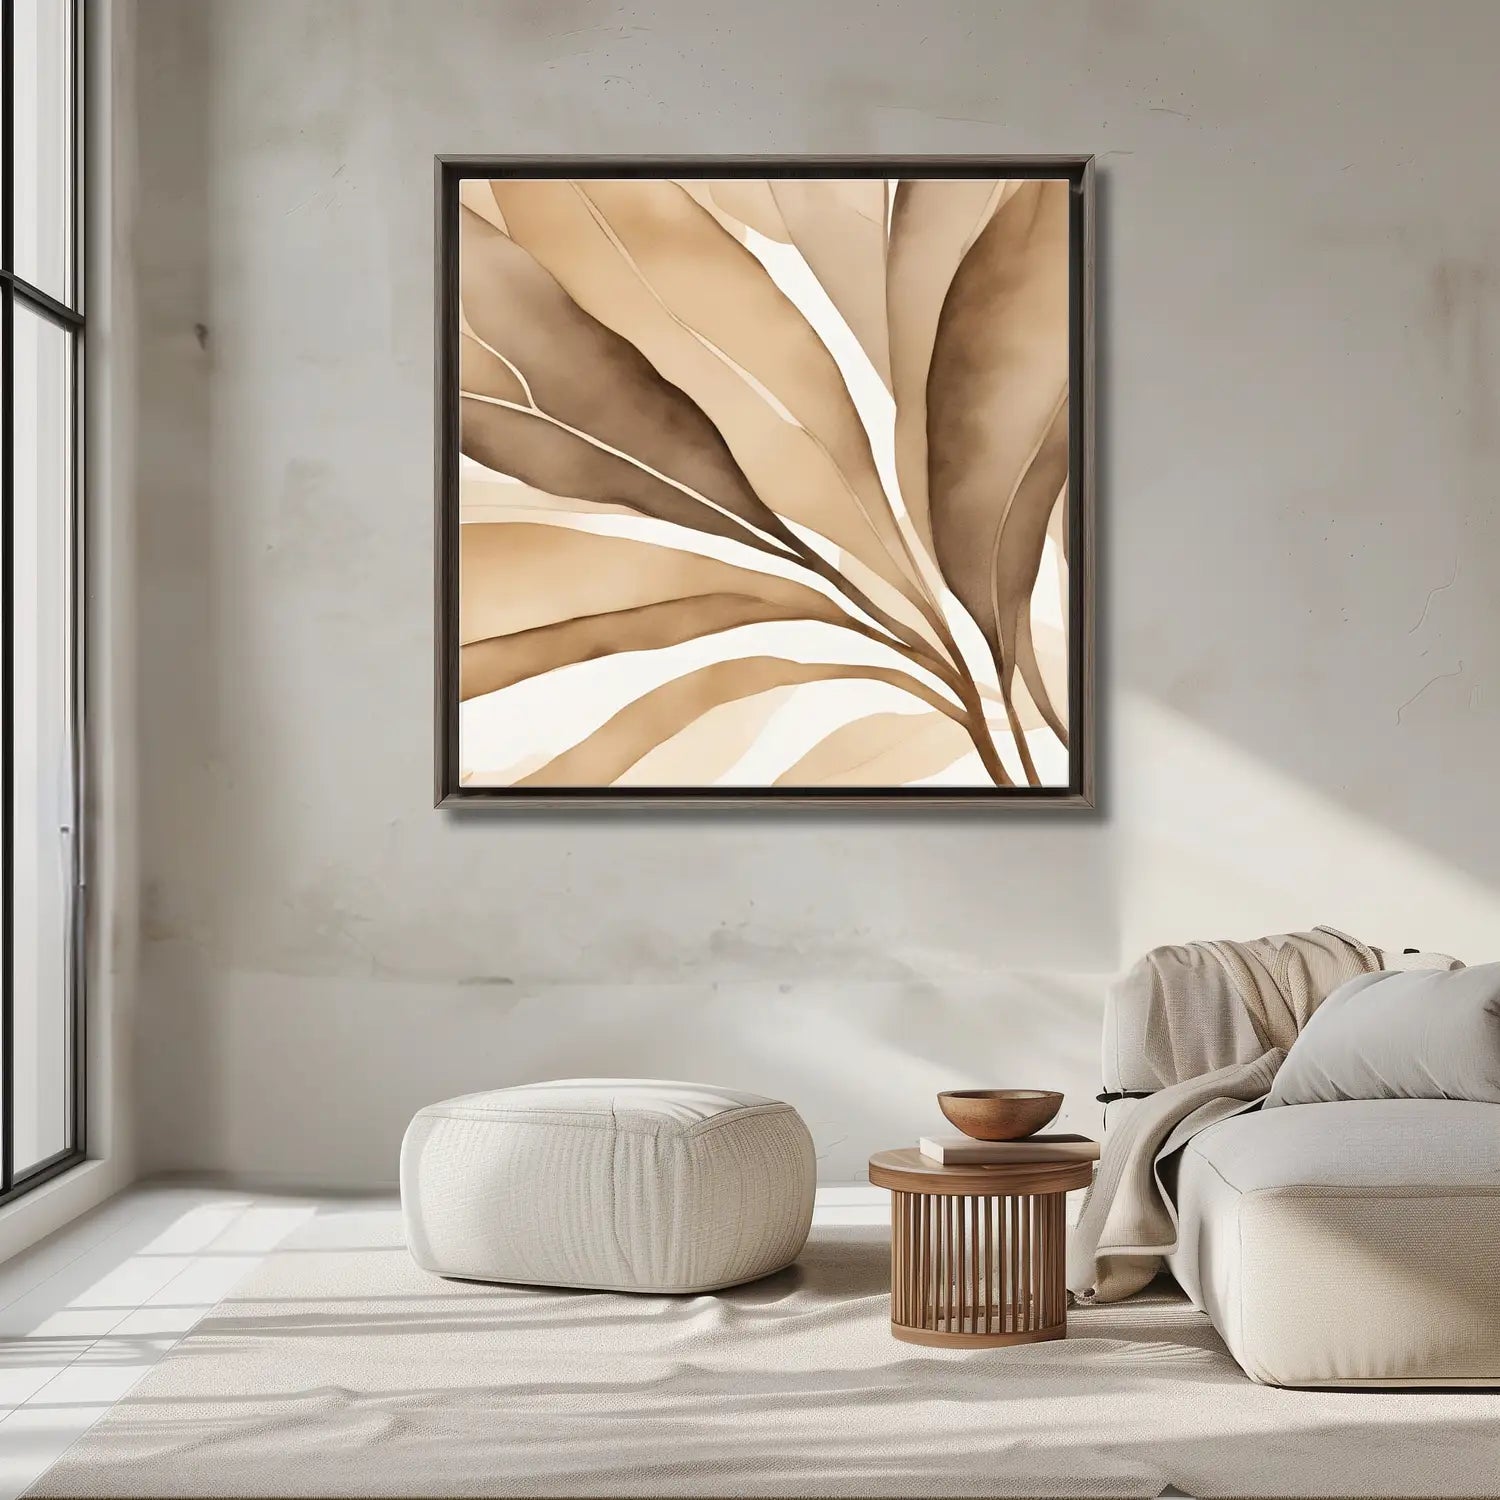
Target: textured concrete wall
x,y
1299,633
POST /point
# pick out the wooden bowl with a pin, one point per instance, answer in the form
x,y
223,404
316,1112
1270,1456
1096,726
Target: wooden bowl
x,y
999,1114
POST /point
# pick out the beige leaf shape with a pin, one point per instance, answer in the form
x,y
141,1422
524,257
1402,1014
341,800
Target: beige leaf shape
x,y
481,372
996,405
1048,685
933,224
744,204
517,576
1057,526
485,499
493,499
606,754
839,228
475,194
886,749
501,661
1017,556
1027,714
702,753
533,598
701,193
749,200
587,415
647,261
508,775
1050,651
884,595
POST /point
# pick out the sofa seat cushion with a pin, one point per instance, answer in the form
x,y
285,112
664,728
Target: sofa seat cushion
x,y
1349,1243
618,1184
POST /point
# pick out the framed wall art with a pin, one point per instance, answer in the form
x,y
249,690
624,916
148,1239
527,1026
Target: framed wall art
x,y
765,480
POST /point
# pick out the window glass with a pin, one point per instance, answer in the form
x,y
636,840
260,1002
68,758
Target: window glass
x,y
41,340
41,91
41,736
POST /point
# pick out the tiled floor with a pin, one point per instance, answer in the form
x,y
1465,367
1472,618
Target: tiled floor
x,y
87,1312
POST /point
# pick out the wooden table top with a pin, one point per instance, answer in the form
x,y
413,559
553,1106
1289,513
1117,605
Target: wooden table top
x,y
908,1171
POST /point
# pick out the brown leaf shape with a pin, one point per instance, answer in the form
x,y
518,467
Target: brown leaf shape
x,y
592,417
533,598
650,263
653,718
544,456
886,749
1031,674
1017,556
932,225
839,226
481,372
996,409
1024,651
517,575
1057,525
503,660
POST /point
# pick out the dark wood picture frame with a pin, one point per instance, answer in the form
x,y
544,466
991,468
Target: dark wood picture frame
x,y
1078,171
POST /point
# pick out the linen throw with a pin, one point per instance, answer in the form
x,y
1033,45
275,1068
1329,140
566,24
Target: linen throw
x,y
1189,991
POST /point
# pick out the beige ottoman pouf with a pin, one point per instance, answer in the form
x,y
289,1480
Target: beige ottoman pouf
x,y
616,1184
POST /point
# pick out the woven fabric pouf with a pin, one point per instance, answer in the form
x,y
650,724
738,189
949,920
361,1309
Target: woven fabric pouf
x,y
615,1184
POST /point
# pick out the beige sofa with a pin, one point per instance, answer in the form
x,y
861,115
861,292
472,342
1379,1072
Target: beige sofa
x,y
1346,1244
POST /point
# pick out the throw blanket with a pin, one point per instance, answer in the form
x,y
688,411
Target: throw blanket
x,y
1195,1007
1129,1221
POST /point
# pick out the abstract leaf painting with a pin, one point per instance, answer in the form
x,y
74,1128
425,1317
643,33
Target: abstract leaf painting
x,y
768,485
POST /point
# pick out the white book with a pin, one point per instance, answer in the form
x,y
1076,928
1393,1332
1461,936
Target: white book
x,y
964,1151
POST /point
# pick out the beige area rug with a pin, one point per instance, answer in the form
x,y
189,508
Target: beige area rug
x,y
338,1369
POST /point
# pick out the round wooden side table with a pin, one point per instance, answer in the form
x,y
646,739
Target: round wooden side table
x,y
977,1253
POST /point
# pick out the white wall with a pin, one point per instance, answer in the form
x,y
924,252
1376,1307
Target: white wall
x,y
1299,631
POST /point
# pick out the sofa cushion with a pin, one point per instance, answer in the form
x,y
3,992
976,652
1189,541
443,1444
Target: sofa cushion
x,y
1350,1243
1133,1055
1421,1035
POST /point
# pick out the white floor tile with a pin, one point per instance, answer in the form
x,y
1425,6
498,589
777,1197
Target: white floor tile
x,y
20,1382
196,1230
262,1227
160,1320
98,1382
35,1436
89,1311
28,1270
75,1280
120,1349
207,1280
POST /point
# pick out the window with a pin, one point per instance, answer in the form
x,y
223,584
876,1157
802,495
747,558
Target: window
x,y
41,353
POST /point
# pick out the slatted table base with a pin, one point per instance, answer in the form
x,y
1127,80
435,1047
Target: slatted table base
x,y
976,1271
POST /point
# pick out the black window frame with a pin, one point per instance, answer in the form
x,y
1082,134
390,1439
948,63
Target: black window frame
x,y
67,314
